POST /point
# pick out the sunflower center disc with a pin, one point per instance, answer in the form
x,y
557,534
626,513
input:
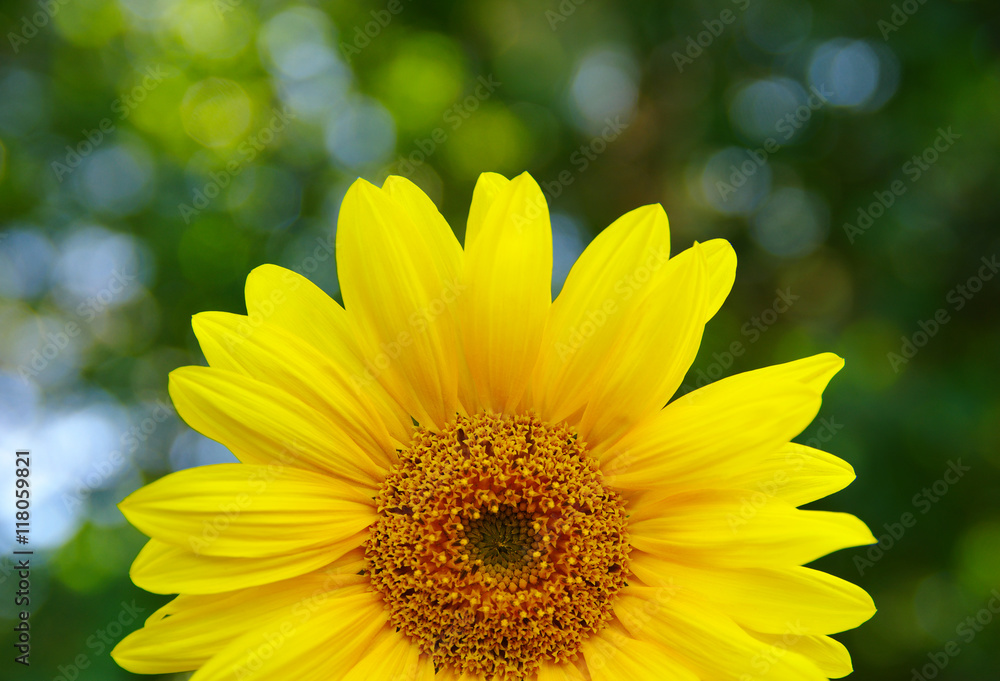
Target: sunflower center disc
x,y
497,547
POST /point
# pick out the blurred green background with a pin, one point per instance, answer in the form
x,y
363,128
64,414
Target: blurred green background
x,y
153,152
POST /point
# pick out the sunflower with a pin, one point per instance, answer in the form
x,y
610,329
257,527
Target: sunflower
x,y
456,477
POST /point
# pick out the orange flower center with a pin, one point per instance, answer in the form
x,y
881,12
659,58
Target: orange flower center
x,y
497,546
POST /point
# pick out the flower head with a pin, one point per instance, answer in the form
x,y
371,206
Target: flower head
x,y
454,476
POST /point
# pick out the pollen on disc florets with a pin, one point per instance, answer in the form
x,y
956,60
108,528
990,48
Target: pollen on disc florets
x,y
497,546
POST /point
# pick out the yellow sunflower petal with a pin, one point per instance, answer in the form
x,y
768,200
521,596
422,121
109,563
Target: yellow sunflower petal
x,y
596,309
262,424
283,298
276,295
281,359
169,609
549,671
320,403
765,599
509,278
795,473
244,510
723,528
828,654
720,260
815,372
691,443
613,656
164,568
449,674
420,207
393,658
488,187
401,276
305,642
200,626
708,641
650,361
